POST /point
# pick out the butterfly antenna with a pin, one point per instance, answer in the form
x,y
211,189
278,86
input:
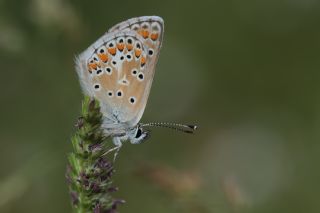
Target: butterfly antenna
x,y
178,127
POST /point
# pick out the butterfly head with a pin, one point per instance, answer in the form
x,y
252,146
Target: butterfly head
x,y
137,135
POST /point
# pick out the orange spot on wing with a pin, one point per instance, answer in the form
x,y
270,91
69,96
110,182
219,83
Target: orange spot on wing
x,y
145,34
103,57
120,46
92,66
137,53
129,47
154,36
143,60
112,50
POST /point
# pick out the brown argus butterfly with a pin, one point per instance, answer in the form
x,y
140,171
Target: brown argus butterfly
x,y
118,70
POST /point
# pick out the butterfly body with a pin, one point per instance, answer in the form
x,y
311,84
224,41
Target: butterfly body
x,y
118,70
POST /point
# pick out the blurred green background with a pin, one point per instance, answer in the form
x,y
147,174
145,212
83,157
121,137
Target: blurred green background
x,y
247,72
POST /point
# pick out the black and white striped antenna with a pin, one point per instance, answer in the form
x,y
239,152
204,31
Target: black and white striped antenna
x,y
175,126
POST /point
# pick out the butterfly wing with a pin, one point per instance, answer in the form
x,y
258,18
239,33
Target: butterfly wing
x,y
151,30
118,69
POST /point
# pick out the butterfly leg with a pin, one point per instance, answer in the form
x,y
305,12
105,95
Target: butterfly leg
x,y
117,142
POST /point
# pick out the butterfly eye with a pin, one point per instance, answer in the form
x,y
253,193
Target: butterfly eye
x,y
134,72
139,133
108,70
96,87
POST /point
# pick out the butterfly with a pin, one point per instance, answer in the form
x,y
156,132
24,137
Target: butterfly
x,y
118,70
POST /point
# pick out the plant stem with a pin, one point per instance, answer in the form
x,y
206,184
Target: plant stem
x,y
89,173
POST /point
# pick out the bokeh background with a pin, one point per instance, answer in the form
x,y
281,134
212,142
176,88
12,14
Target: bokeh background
x,y
247,72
